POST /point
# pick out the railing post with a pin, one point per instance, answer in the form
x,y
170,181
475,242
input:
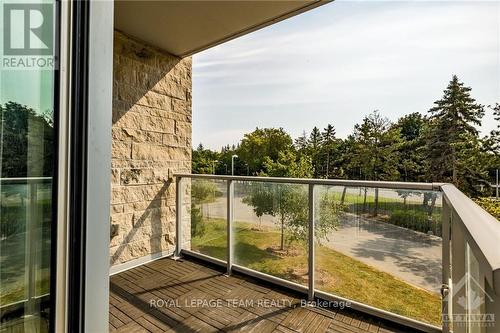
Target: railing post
x,y
230,201
458,271
311,243
30,242
446,273
178,216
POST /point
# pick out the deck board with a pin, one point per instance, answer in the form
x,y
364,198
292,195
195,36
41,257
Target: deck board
x,y
192,297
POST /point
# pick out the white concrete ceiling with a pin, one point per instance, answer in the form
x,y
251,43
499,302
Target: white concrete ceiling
x,y
187,27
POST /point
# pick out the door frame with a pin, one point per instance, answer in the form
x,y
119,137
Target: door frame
x,y
81,285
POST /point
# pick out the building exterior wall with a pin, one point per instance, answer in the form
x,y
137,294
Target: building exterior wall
x,y
151,140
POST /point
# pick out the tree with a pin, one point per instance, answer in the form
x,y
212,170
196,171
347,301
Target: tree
x,y
23,127
329,145
411,126
225,161
203,160
411,164
314,149
374,152
262,143
301,143
328,216
202,192
261,199
288,164
328,135
289,202
346,167
443,146
492,143
406,193
453,145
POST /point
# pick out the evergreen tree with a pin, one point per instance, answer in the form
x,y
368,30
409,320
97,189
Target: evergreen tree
x,y
443,147
315,139
374,153
328,135
329,144
314,147
453,145
492,143
301,143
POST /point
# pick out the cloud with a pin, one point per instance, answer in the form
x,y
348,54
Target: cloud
x,y
342,60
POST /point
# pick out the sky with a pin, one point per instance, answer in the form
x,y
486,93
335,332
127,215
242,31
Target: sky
x,y
31,87
337,63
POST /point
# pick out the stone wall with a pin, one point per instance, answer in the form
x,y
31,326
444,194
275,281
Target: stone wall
x,y
151,139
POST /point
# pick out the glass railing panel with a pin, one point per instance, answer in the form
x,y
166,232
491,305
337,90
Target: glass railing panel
x,y
25,219
475,295
270,229
14,208
208,217
384,250
41,235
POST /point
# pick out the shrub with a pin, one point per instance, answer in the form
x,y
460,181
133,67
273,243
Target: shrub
x,y
197,225
416,220
491,205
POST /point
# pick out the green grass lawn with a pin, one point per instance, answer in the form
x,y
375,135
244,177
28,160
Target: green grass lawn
x,y
13,267
335,272
13,217
17,292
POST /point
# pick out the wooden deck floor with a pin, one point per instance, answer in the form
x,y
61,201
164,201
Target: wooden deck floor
x,y
187,296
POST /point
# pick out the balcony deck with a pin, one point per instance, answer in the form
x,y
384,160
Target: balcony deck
x,y
180,283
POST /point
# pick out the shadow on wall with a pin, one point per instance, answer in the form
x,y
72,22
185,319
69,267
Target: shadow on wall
x,y
151,139
156,227
140,74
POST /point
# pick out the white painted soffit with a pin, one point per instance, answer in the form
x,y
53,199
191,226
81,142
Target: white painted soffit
x,y
186,27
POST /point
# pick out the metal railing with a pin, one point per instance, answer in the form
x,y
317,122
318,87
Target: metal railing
x,y
463,222
471,265
31,298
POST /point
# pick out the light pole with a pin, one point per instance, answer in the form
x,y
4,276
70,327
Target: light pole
x,y
213,166
232,164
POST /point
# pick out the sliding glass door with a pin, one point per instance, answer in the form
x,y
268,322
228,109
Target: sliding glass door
x,y
28,155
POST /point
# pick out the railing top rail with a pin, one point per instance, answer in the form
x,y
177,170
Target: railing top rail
x,y
482,229
333,182
24,180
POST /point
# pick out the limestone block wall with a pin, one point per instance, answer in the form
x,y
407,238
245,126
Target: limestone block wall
x,y
151,138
